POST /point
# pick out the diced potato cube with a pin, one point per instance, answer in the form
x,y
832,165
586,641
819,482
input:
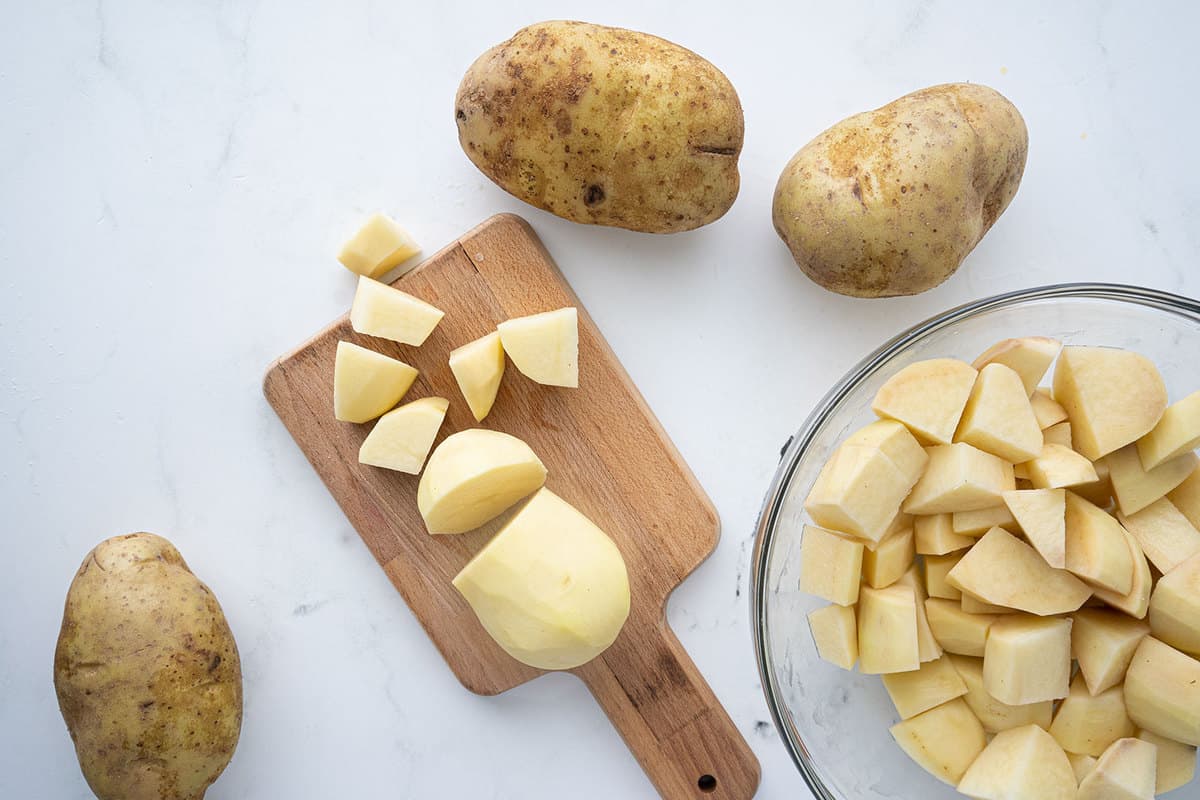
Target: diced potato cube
x,y
1136,601
1041,513
1057,466
1020,764
366,383
402,438
1135,488
1186,497
858,493
1027,659
1059,433
935,536
956,630
1047,411
1175,607
830,566
378,246
1176,762
936,569
1029,357
1087,723
1162,691
1096,548
1126,771
1165,534
1113,397
936,682
998,418
973,605
928,648
835,634
887,630
894,441
1081,764
478,367
977,523
388,313
1175,434
1103,642
544,347
886,563
928,397
959,477
994,715
944,741
1003,570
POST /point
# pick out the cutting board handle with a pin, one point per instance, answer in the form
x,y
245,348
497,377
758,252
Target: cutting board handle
x,y
670,718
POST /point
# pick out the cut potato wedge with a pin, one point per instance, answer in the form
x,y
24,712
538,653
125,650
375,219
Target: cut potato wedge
x,y
934,535
1167,537
894,441
1087,723
973,605
1003,570
830,566
402,438
858,493
1097,492
956,630
474,476
1057,466
1059,433
1162,691
388,313
977,523
1047,411
1020,764
1103,642
959,477
1135,488
544,347
887,630
928,648
994,715
1081,764
366,383
1136,601
1186,497
998,418
1174,613
1027,659
478,367
936,569
379,246
1029,357
928,397
1112,397
1041,513
835,633
884,565
1126,771
1096,547
944,741
1176,763
1175,434
935,683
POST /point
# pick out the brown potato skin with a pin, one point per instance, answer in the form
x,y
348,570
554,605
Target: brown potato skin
x,y
604,126
890,202
147,673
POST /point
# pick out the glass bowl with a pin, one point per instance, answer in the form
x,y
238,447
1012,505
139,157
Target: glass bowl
x,y
835,723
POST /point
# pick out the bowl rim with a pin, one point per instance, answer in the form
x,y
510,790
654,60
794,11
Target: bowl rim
x,y
796,446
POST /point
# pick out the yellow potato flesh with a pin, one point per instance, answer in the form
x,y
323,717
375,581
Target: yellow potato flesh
x,y
1020,764
1103,642
380,310
544,347
928,397
835,633
1027,659
944,740
401,439
366,383
1112,397
1162,691
998,418
378,246
830,566
1087,723
478,367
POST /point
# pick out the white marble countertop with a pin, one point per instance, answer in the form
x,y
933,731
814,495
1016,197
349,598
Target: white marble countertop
x,y
174,181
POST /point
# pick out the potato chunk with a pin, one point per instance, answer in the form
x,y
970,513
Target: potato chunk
x,y
1083,765
366,383
835,633
1103,642
858,493
1175,434
1003,570
1041,513
402,438
934,535
1029,357
1164,533
383,311
1047,411
1175,607
936,682
944,741
478,367
1112,397
928,648
998,418
378,246
1186,497
977,523
955,629
894,441
830,566
1136,601
1087,723
1135,487
994,715
1162,691
1020,764
884,565
1096,547
1059,434
1126,771
1057,466
887,630
1027,659
473,476
928,397
1176,762
959,477
544,347
936,569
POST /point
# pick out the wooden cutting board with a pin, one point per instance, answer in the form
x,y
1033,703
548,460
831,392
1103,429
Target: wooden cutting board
x,y
606,454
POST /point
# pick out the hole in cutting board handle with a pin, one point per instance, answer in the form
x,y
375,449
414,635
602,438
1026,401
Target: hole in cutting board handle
x,y
707,783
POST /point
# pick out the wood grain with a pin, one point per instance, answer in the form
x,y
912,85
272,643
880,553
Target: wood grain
x,y
606,454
